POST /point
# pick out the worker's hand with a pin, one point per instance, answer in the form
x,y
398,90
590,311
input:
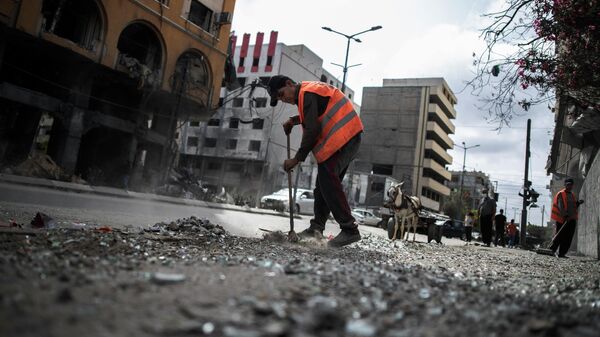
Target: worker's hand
x,y
288,125
289,164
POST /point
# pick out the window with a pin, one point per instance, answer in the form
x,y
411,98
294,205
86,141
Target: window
x,y
210,142
241,80
257,123
269,60
241,63
194,123
234,123
214,166
231,144
221,100
323,78
238,102
260,102
192,141
254,145
213,122
387,170
255,62
200,15
377,187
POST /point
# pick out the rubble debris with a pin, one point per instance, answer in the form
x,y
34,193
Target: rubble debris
x,y
40,165
42,220
167,278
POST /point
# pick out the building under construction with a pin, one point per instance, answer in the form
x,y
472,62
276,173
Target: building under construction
x,y
100,85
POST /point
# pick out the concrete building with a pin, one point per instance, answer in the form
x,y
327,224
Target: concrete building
x,y
113,76
474,182
575,154
407,123
242,148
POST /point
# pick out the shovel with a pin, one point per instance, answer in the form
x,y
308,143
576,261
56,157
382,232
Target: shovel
x,y
292,236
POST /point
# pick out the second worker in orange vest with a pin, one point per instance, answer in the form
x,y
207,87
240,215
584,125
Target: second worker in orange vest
x,y
332,131
565,213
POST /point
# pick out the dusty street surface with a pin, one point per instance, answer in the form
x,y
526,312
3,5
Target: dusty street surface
x,y
191,278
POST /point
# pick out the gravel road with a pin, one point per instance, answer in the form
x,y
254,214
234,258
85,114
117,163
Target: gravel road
x,y
192,278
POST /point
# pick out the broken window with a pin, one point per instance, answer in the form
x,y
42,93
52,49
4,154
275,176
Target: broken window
x,y
200,15
194,123
140,52
254,145
258,123
192,141
79,21
234,123
213,122
231,144
238,102
210,142
260,102
191,73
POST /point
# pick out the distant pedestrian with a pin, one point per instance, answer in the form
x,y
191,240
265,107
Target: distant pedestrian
x,y
511,230
487,210
469,221
565,212
500,224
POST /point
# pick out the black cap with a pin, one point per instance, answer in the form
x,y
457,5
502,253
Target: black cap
x,y
275,83
569,181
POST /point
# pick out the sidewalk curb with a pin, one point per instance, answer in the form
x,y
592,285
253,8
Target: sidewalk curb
x,y
116,192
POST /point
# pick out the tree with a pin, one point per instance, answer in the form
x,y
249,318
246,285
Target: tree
x,y
552,46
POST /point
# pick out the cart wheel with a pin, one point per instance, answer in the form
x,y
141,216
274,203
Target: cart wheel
x,y
390,228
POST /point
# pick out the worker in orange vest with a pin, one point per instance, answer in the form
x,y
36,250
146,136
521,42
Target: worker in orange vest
x,y
332,131
564,212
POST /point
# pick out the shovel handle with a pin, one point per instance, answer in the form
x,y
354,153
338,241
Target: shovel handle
x,y
291,200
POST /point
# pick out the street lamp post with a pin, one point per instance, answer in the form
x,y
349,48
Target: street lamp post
x,y
462,175
349,37
345,70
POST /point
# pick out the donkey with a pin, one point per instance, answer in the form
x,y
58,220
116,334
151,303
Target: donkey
x,y
406,210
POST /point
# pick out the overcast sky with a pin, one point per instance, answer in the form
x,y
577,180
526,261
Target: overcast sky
x,y
420,38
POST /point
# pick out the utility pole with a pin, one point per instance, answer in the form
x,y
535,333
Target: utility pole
x,y
462,174
525,187
543,211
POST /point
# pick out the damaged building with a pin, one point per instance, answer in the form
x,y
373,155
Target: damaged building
x,y
101,86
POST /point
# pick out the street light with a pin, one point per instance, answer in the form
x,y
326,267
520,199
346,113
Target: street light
x,y
462,175
349,37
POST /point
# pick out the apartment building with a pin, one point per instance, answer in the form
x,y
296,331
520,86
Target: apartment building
x,y
407,127
113,76
473,183
243,146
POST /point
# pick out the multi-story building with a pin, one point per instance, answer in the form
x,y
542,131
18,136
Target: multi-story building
x,y
407,123
473,183
113,76
243,146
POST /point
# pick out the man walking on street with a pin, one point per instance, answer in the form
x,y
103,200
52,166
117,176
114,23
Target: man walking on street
x,y
500,223
565,212
487,209
332,131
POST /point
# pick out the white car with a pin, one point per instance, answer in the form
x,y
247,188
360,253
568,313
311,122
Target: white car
x,y
365,217
279,201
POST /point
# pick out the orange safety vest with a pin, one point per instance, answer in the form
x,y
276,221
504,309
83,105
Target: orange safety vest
x,y
339,122
556,216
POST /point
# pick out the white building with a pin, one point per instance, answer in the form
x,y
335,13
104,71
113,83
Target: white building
x,y
243,146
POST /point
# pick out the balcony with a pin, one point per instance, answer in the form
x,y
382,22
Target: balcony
x,y
428,203
435,132
439,169
440,99
441,118
435,186
439,151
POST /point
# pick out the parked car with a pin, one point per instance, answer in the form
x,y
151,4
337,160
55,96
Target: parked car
x,y
453,229
279,201
365,217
